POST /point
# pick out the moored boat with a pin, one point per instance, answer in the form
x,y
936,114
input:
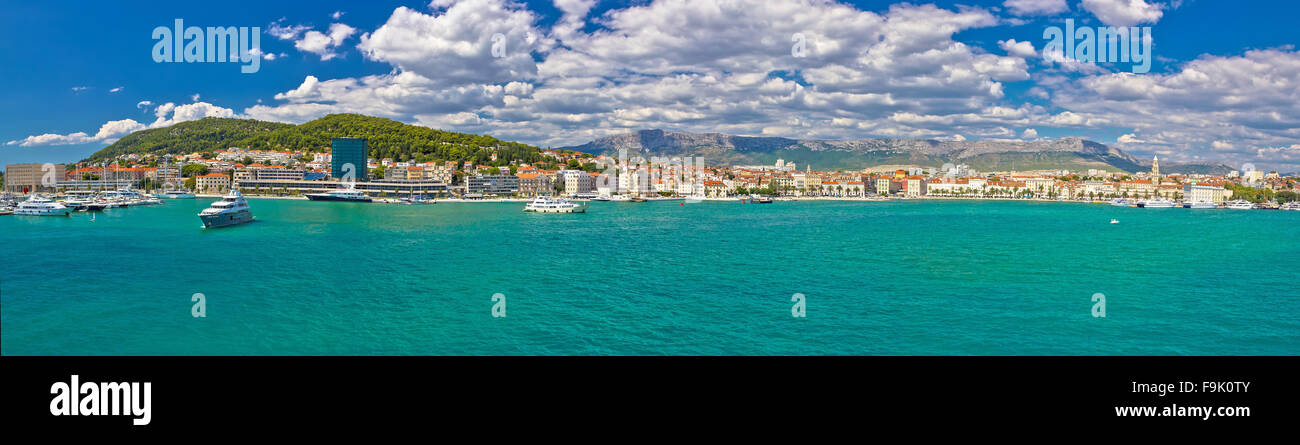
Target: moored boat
x,y
348,194
38,205
175,194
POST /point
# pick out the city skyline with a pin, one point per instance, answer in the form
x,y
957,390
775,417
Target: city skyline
x,y
568,72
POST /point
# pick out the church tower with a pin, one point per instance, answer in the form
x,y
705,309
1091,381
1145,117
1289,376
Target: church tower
x,y
1155,166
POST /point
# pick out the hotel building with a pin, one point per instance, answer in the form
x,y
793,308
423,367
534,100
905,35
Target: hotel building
x,y
212,183
1205,193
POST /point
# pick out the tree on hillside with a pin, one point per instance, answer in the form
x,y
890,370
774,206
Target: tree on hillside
x,y
192,170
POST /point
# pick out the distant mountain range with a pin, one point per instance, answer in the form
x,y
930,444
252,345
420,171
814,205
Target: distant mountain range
x,y
722,149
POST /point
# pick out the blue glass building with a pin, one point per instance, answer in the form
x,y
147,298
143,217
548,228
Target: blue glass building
x,y
350,151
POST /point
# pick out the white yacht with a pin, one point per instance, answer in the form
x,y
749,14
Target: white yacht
x,y
1121,203
348,194
1292,206
543,204
1240,205
80,200
1201,205
1157,203
230,210
40,206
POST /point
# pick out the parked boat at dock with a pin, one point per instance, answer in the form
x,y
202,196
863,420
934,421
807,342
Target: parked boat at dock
x,y
348,194
38,205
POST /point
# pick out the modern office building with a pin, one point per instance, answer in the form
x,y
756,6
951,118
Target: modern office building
x,y
349,155
492,185
255,173
25,178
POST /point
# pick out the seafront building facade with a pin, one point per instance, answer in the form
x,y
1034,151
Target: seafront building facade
x,y
577,182
1205,193
212,183
382,187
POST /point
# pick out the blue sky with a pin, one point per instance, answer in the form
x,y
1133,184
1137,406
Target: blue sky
x,y
1223,85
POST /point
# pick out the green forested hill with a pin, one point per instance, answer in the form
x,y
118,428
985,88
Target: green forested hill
x,y
387,139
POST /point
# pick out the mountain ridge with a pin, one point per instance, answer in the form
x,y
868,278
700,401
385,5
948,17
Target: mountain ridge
x,y
718,148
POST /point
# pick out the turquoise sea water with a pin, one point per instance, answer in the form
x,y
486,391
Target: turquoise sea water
x,y
655,278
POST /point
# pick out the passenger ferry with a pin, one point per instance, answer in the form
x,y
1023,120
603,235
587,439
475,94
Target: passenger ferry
x,y
348,194
1240,205
38,205
230,210
175,194
543,204
1158,203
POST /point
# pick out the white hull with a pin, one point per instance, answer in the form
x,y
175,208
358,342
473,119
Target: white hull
x,y
43,212
39,206
569,210
226,219
231,210
546,205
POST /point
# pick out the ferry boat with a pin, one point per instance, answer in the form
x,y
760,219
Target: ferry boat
x,y
148,201
175,194
413,200
1240,205
40,206
1158,203
230,210
1200,205
543,204
347,194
